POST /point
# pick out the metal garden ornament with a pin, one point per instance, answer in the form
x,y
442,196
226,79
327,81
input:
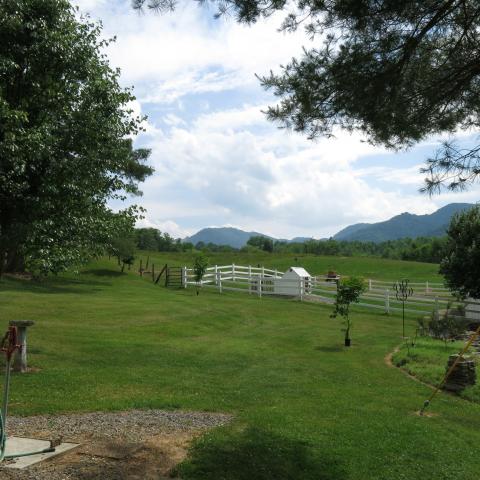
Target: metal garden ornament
x,y
402,292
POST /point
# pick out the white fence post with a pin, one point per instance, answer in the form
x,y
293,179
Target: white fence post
x,y
216,274
263,271
219,281
426,286
249,279
185,276
369,284
300,287
233,272
437,313
259,286
387,301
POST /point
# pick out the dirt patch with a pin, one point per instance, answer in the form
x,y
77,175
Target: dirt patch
x,y
419,413
133,445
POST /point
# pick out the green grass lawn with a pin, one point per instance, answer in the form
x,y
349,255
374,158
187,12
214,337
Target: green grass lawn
x,y
305,407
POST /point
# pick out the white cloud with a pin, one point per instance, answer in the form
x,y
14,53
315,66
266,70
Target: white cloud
x,y
232,167
168,226
187,51
89,5
410,176
229,165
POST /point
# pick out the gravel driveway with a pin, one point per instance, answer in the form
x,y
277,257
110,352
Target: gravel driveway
x,y
135,444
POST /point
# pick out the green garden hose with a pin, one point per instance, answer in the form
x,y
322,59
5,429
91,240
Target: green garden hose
x,y
9,346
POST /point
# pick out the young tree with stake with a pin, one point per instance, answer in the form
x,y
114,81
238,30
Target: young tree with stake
x,y
199,268
348,292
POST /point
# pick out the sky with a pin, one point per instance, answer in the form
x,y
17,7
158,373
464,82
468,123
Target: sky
x,y
217,160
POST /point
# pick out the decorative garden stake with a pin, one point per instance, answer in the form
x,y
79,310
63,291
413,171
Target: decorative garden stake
x,y
402,292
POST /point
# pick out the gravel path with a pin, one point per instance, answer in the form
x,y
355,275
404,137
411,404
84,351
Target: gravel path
x,y
135,444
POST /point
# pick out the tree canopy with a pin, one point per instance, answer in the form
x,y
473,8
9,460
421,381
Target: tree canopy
x,y
461,265
261,242
65,138
397,70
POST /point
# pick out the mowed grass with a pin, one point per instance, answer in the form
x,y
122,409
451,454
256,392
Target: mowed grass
x,y
368,267
305,407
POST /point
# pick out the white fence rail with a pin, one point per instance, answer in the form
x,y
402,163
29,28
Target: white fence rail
x,y
427,297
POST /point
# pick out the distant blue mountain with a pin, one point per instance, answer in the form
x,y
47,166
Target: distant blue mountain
x,y
230,236
403,225
400,226
223,236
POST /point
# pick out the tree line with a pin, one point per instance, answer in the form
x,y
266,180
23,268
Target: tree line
x,y
422,249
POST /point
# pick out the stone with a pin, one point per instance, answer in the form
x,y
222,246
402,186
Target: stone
x,y
464,374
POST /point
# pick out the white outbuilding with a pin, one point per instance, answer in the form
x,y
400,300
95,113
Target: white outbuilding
x,y
296,281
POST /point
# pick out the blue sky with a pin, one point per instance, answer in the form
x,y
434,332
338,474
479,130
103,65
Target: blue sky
x,y
217,159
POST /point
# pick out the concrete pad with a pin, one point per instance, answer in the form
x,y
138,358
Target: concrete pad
x,y
25,445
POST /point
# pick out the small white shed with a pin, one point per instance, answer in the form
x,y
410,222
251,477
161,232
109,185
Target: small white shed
x,y
295,281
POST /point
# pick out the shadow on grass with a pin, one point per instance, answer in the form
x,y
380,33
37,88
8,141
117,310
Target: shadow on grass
x,y
103,272
329,348
256,454
51,285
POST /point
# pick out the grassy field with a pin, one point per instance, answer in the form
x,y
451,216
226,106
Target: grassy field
x,y
305,407
368,267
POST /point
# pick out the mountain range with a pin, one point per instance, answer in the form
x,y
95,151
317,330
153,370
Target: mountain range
x,y
400,226
403,225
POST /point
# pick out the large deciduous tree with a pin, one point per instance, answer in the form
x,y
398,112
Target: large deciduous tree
x,y
398,70
65,139
461,265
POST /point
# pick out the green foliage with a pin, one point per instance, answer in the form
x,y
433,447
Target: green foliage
x,y
261,242
446,326
155,240
124,249
430,250
348,292
65,139
200,265
461,265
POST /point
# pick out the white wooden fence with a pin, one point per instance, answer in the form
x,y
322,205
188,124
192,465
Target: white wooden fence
x,y
472,309
427,296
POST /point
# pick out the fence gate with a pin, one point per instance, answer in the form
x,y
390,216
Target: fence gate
x,y
174,277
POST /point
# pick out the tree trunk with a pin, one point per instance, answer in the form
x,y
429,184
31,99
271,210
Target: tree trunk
x,y
2,262
347,333
15,262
